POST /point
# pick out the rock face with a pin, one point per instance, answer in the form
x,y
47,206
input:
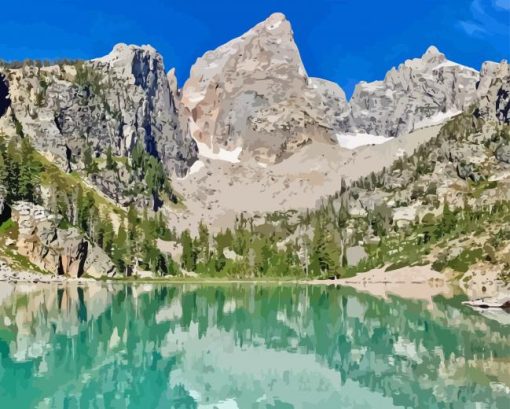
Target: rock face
x,y
253,93
494,91
420,92
114,101
61,251
252,96
249,98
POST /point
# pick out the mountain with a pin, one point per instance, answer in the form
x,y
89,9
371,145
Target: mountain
x,y
252,96
252,168
420,92
74,113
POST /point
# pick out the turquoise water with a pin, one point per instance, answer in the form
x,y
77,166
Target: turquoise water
x,y
245,346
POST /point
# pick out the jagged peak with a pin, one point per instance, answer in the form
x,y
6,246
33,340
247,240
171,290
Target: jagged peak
x,y
122,51
432,50
274,21
172,81
275,25
433,55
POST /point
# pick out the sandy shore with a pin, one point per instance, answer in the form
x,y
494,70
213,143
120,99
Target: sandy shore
x,y
420,282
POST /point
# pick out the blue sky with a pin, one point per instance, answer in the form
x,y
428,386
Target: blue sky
x,y
341,40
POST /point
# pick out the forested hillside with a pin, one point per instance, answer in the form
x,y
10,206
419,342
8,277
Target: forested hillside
x,y
435,206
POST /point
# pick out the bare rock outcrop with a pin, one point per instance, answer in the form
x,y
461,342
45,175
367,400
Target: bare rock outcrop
x,y
110,102
253,93
420,92
494,91
61,251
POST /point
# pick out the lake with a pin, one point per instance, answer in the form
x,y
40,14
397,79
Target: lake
x,y
245,346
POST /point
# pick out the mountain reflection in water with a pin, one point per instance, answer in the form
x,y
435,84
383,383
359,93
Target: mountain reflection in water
x,y
245,346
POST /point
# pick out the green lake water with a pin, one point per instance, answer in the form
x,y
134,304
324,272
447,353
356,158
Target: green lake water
x,y
246,346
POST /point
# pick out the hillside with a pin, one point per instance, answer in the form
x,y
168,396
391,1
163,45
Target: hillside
x,y
253,168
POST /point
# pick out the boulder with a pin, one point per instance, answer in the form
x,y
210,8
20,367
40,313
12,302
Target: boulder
x,y
469,171
355,254
503,153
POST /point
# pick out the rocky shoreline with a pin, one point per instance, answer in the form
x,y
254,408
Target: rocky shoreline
x,y
9,275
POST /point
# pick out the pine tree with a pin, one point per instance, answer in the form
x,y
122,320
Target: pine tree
x,y
88,161
203,242
13,165
188,259
3,171
120,255
28,172
110,162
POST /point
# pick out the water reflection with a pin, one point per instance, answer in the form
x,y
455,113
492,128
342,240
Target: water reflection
x,y
244,346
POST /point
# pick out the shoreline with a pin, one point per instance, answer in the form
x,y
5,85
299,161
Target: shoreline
x,y
418,282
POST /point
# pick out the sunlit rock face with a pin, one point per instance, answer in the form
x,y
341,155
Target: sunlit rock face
x,y
59,251
420,92
110,102
253,93
494,91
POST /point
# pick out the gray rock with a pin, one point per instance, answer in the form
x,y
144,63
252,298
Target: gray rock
x,y
494,91
469,171
503,153
60,251
420,92
113,101
355,255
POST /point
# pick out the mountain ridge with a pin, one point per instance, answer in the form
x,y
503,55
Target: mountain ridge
x,y
153,178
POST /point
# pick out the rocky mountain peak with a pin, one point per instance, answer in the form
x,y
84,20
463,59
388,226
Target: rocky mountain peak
x,y
420,92
433,55
109,104
277,22
253,94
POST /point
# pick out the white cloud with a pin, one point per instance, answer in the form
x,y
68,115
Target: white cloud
x,y
486,19
471,28
502,4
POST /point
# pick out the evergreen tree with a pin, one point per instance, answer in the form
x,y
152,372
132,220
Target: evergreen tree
x,y
89,161
120,249
203,242
189,259
110,162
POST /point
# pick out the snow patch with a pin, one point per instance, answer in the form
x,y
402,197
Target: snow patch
x,y
223,154
448,63
275,25
355,140
196,167
436,119
371,86
195,97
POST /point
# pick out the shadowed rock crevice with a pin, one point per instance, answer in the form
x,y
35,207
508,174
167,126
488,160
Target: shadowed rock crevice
x,y
5,101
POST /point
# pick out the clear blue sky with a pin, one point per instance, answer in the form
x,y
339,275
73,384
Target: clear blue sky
x,y
341,40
